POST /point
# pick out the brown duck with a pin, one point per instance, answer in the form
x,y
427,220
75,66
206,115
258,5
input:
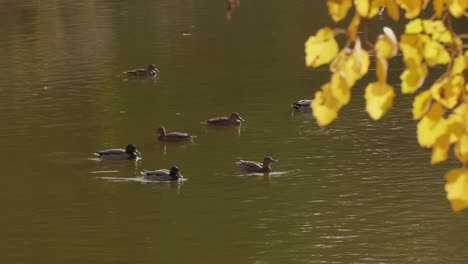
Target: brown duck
x,y
173,136
149,72
233,120
254,166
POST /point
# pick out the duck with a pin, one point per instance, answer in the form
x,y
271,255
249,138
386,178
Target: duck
x,y
233,120
302,104
173,136
254,166
150,71
130,152
162,174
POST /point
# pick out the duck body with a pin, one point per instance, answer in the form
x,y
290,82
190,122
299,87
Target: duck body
x,y
149,72
162,174
302,104
254,166
128,153
233,120
173,136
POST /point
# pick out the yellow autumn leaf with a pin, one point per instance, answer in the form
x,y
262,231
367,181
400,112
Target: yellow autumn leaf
x,y
414,26
339,88
379,98
355,65
455,127
412,7
325,107
392,9
381,69
457,7
353,27
412,78
457,188
387,44
459,65
435,53
321,48
421,104
362,7
438,7
338,8
412,54
461,149
431,126
447,90
440,149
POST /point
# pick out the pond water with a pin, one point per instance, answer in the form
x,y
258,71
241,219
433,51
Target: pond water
x,y
357,191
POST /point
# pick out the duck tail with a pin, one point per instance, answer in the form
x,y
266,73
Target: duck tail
x,y
98,155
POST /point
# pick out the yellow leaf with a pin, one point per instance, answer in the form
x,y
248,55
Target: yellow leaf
x,y
438,7
431,126
414,26
413,78
321,48
447,90
456,127
387,44
392,9
379,98
381,69
339,88
459,65
325,107
338,8
421,104
354,65
440,149
457,7
412,7
412,46
457,188
353,27
435,53
461,148
362,7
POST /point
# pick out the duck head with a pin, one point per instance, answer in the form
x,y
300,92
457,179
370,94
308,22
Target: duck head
x,y
236,116
268,160
161,131
130,148
151,67
174,173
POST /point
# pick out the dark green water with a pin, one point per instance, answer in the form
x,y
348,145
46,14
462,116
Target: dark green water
x,y
357,191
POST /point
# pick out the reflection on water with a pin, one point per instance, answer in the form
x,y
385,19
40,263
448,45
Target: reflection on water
x,y
357,191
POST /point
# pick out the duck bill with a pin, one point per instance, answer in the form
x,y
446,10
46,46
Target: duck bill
x,y
137,152
241,119
274,160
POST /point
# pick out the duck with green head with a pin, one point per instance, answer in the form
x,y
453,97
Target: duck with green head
x,y
162,174
149,72
130,152
254,166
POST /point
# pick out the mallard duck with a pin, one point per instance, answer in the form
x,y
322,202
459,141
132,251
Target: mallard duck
x,y
302,104
233,120
130,152
254,166
151,71
162,175
174,136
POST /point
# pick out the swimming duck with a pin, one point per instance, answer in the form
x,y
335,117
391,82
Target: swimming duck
x,y
233,120
302,104
174,136
151,71
130,152
162,175
254,166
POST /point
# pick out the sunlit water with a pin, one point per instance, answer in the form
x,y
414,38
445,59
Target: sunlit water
x,y
357,191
